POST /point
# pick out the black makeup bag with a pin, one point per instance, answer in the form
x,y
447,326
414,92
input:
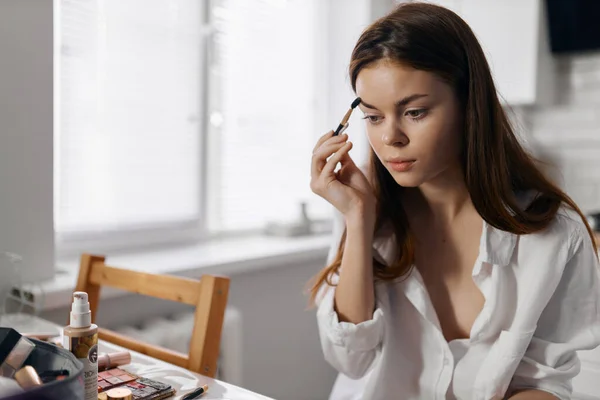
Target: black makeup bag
x,y
46,357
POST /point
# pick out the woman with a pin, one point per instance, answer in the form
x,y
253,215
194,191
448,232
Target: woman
x,y
462,272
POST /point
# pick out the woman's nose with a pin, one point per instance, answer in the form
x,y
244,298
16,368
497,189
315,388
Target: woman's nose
x,y
394,136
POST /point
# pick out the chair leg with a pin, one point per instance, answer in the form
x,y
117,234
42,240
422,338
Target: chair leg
x,y
205,343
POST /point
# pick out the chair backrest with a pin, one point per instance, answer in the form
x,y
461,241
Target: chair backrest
x,y
208,295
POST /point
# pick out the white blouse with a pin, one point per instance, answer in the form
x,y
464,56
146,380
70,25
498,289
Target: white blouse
x,y
542,304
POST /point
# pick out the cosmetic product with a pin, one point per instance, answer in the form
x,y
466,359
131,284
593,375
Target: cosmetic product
x,y
196,393
112,360
344,124
113,378
149,389
80,337
14,350
27,377
119,394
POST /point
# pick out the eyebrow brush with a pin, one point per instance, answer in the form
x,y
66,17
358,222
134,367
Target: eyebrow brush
x,y
344,124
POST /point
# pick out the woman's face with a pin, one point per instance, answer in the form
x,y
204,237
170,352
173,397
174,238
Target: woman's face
x,y
413,121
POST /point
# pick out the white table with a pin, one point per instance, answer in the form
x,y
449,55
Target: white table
x,y
181,379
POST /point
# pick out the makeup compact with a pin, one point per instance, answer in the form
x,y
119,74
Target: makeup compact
x,y
113,378
141,388
149,389
14,350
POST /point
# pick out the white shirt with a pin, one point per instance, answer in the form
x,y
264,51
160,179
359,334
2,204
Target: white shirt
x,y
542,304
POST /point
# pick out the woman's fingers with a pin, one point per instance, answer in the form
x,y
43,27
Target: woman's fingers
x,y
340,154
322,140
323,152
328,137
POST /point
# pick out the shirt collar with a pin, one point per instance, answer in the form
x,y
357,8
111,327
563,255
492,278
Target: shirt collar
x,y
496,246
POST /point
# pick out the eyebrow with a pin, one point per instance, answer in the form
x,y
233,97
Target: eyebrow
x,y
399,103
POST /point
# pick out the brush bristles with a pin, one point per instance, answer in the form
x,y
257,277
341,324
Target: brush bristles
x,y
355,103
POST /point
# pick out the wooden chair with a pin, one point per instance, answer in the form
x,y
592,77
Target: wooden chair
x,y
209,295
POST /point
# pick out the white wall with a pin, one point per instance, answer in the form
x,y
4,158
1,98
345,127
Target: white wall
x,y
26,134
567,134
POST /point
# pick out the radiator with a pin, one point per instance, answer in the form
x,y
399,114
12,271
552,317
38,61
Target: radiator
x,y
174,332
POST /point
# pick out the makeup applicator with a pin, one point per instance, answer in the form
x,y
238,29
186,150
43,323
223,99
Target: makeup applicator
x,y
344,124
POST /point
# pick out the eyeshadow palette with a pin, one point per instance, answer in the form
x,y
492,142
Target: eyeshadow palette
x,y
114,377
149,389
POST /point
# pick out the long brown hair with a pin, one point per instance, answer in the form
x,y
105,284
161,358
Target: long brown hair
x,y
495,166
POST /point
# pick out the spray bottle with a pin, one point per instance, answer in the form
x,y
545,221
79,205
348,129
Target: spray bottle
x,y
80,337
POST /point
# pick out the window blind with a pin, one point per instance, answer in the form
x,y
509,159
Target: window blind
x,y
129,100
266,115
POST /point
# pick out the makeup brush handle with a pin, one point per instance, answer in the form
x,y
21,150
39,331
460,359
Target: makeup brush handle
x,y
338,130
344,128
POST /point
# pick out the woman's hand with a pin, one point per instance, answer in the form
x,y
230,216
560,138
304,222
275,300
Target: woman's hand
x,y
348,190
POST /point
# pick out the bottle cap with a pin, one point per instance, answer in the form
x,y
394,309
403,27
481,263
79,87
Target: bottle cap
x,y
81,316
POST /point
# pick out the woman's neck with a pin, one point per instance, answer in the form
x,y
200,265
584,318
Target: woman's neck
x,y
440,200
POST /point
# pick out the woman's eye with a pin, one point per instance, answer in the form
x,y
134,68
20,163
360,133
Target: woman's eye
x,y
416,114
373,119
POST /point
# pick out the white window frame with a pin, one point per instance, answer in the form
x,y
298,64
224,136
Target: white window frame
x,y
153,234
187,232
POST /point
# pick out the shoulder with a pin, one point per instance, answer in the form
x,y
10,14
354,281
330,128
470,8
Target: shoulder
x,y
558,262
565,231
555,247
568,225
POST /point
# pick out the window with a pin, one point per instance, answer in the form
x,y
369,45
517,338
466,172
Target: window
x,y
127,147
185,115
264,114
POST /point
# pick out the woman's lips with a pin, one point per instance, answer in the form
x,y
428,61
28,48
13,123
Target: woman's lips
x,y
401,166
